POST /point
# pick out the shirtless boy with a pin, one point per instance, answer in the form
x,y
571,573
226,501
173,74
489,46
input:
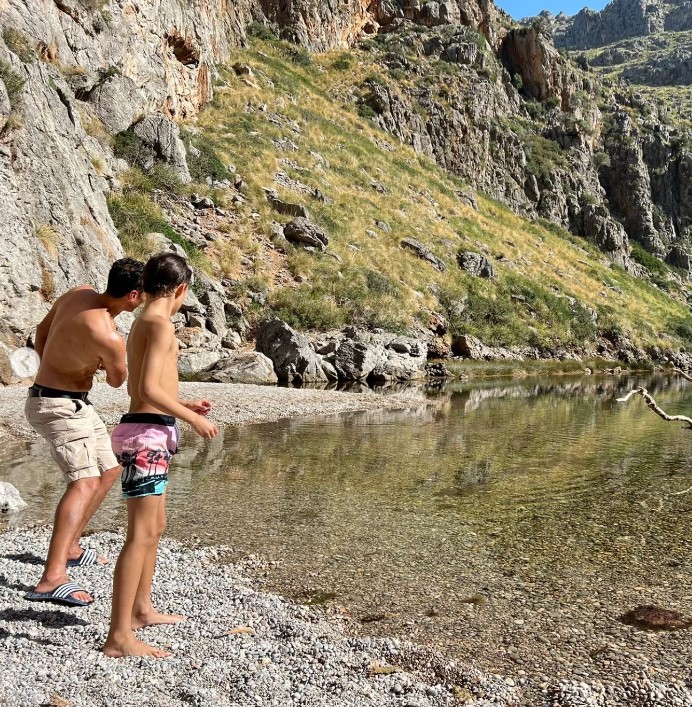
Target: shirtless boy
x,y
145,441
75,339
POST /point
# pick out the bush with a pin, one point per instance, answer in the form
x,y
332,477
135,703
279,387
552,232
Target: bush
x,y
343,62
132,149
18,44
681,327
642,256
135,214
365,111
261,31
14,83
202,159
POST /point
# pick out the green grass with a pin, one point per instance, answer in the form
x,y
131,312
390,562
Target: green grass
x,y
548,282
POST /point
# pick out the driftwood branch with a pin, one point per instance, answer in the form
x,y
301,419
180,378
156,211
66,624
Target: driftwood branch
x,y
685,375
652,404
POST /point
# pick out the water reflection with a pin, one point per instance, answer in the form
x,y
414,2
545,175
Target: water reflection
x,y
534,494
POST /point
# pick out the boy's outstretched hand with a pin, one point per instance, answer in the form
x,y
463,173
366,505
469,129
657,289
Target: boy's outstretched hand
x,y
201,407
204,428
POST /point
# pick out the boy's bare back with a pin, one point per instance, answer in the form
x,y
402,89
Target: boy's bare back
x,y
152,358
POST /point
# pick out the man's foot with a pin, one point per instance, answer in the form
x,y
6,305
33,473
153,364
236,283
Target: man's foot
x,y
78,557
131,646
45,587
155,618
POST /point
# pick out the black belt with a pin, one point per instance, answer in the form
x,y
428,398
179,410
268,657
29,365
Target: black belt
x,y
40,391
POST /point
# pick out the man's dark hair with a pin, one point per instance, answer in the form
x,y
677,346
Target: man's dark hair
x,y
164,272
125,275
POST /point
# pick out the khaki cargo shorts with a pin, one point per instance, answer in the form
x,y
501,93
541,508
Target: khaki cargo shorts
x,y
79,441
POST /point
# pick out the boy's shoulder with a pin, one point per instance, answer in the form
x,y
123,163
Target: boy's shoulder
x,y
151,324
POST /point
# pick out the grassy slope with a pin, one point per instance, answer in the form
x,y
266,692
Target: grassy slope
x,y
375,282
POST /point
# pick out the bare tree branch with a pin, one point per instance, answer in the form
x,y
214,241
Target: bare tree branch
x,y
652,404
685,375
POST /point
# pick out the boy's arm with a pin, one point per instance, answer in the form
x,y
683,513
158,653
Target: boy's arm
x,y
159,341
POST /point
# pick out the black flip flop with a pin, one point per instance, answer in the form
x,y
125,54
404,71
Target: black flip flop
x,y
62,594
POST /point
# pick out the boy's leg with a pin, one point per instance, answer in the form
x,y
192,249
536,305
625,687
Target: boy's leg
x,y
143,613
142,534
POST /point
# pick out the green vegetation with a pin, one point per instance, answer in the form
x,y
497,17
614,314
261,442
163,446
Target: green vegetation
x,y
14,83
17,43
550,288
135,214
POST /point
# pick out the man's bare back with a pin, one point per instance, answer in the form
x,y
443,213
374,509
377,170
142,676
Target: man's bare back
x,y
76,339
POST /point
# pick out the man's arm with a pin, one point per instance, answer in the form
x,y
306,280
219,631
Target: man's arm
x,y
160,338
113,359
43,328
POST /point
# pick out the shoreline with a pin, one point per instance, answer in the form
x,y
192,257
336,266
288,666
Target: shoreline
x,y
239,646
234,404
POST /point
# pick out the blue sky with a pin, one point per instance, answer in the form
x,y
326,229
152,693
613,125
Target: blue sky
x,y
526,8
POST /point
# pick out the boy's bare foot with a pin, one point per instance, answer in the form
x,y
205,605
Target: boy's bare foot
x,y
155,618
132,646
45,586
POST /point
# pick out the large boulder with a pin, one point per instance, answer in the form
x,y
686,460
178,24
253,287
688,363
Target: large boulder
x,y
163,136
468,346
248,367
192,362
423,252
306,233
293,357
10,500
117,102
355,360
475,264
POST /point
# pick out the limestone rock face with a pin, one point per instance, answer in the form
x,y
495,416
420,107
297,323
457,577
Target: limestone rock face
x,y
293,357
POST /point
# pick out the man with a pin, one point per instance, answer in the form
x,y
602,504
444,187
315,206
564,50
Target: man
x,y
75,339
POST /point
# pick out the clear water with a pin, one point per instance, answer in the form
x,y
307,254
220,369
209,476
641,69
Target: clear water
x,y
501,514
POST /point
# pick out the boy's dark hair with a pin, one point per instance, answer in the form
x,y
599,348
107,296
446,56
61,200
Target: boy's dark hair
x,y
125,275
164,272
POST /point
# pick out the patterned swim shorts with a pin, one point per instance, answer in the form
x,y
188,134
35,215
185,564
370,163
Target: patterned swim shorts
x,y
144,444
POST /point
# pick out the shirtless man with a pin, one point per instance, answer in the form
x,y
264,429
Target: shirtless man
x,y
145,441
75,339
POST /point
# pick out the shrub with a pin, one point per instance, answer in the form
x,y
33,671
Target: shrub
x,y
681,327
642,256
202,159
343,62
365,111
14,83
261,31
17,43
132,149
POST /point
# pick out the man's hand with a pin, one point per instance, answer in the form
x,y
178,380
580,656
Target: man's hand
x,y
201,407
204,428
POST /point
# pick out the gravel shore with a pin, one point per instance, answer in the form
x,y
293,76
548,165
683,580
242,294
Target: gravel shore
x,y
239,647
233,404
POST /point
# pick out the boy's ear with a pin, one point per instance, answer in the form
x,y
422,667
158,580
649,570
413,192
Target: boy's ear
x,y
181,290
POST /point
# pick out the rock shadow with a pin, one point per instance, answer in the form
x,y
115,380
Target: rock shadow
x,y
50,618
4,582
28,558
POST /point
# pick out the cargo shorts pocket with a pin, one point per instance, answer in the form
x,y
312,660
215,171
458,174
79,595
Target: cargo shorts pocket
x,y
71,451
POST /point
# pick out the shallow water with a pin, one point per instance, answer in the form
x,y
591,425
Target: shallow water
x,y
502,514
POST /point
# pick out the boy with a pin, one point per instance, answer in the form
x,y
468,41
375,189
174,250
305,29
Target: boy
x,y
144,442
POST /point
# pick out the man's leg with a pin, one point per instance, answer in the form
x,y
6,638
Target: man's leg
x,y
143,533
105,485
68,518
143,613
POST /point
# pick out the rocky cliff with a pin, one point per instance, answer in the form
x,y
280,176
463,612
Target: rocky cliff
x,y
619,20
492,103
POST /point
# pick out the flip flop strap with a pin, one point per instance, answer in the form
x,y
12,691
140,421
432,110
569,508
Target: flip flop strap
x,y
65,590
88,557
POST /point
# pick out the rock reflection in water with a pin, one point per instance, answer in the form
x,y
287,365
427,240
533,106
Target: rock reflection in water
x,y
547,498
